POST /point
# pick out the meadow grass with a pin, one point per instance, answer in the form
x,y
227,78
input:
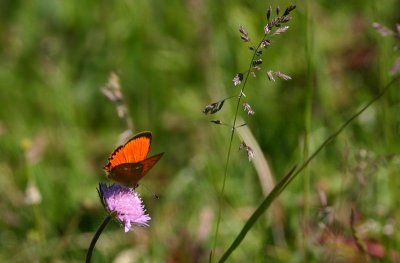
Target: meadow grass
x,y
57,130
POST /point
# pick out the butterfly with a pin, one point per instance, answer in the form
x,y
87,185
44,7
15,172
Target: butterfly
x,y
129,163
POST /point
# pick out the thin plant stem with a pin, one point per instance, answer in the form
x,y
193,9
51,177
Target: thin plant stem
x,y
96,236
221,196
307,125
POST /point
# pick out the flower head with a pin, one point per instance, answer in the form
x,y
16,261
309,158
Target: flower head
x,y
124,204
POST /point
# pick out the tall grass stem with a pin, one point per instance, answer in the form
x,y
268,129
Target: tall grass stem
x,y
221,195
307,123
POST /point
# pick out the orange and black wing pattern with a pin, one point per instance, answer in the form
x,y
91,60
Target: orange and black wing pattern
x,y
135,150
128,163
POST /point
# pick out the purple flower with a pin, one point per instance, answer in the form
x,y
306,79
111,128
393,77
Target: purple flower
x,y
124,204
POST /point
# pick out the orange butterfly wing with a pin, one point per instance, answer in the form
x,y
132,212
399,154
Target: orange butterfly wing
x,y
127,164
135,150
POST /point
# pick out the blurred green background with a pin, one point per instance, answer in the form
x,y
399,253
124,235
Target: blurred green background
x,y
174,57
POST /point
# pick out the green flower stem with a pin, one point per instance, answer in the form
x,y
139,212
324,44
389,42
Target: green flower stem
x,y
96,236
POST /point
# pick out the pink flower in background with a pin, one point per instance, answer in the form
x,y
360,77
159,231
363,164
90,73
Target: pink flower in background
x,y
124,204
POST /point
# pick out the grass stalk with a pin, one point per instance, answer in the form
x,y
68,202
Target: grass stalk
x,y
221,195
307,124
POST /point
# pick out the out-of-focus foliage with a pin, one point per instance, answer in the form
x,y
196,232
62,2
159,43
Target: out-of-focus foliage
x,y
174,58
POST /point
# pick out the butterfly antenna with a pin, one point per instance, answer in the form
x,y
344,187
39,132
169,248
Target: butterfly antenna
x,y
154,195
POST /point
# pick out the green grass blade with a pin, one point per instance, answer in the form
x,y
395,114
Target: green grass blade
x,y
260,210
285,181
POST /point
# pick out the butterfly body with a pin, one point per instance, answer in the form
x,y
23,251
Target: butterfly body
x,y
129,163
